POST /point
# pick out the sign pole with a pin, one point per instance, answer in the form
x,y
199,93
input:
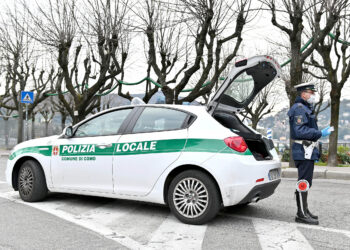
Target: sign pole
x,y
27,97
27,128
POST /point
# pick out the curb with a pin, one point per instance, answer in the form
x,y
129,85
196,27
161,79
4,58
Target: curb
x,y
5,155
318,174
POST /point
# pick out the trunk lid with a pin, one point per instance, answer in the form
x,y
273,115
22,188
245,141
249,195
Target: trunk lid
x,y
244,82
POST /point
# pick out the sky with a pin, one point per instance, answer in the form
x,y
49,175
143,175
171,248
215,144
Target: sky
x,y
257,38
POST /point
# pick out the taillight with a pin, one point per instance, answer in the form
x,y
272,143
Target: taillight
x,y
237,143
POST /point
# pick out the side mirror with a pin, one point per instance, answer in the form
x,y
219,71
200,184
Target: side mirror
x,y
68,131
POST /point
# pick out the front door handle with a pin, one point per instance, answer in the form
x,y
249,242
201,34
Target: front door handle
x,y
105,145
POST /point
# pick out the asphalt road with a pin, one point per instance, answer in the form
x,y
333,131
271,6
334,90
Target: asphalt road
x,y
79,222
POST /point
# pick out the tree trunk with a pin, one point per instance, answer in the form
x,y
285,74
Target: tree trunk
x,y
46,129
254,123
6,121
169,95
33,125
20,123
63,121
296,75
333,138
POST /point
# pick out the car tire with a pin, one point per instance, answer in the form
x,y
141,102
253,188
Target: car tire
x,y
31,182
193,197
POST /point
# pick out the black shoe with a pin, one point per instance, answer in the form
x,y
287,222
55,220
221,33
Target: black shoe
x,y
302,215
308,211
311,215
306,220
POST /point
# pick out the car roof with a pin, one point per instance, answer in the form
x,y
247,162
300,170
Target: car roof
x,y
189,108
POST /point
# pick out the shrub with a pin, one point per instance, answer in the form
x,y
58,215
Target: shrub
x,y
343,158
285,156
343,150
324,157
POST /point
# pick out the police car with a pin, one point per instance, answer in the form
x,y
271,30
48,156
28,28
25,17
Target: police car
x,y
194,159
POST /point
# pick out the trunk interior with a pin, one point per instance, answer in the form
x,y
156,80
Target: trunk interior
x,y
258,145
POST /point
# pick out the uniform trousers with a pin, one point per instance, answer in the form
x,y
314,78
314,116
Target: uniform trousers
x,y
305,170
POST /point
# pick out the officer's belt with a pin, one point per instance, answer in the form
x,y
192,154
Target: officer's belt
x,y
306,143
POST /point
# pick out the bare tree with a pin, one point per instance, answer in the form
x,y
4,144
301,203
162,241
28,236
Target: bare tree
x,y
322,103
33,118
5,114
98,32
186,40
334,66
262,105
46,110
326,12
21,58
58,107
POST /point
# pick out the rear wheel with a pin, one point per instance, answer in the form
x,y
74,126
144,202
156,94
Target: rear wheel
x,y
193,197
31,182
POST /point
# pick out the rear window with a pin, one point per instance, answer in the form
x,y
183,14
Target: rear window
x,y
159,119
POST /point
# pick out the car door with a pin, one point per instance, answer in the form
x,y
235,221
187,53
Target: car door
x,y
244,82
85,161
151,144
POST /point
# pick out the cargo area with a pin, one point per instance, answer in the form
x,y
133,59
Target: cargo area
x,y
258,145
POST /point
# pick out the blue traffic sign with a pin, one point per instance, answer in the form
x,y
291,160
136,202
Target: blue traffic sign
x,y
27,97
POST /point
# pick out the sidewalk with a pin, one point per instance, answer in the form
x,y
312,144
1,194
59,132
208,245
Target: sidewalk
x,y
4,153
320,172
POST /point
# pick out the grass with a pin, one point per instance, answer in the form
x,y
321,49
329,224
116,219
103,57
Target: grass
x,y
320,163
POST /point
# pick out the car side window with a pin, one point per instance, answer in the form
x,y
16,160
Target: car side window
x,y
159,119
106,124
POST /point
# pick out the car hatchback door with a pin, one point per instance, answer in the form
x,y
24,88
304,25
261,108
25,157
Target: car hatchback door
x,y
85,161
152,144
244,82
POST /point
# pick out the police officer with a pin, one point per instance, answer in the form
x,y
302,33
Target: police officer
x,y
304,131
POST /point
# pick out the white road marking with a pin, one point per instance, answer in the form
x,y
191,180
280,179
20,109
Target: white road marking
x,y
173,234
326,229
277,235
14,196
106,214
103,230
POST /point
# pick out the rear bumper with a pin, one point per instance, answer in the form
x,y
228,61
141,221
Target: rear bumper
x,y
261,191
237,175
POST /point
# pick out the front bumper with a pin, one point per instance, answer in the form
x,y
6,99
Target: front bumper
x,y
261,191
8,171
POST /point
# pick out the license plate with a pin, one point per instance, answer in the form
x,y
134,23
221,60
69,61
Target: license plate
x,y
274,174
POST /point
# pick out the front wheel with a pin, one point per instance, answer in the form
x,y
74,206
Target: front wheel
x,y
193,197
31,182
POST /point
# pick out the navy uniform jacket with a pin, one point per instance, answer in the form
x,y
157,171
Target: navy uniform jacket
x,y
303,126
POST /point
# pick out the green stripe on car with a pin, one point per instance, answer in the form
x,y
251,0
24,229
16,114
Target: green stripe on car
x,y
134,148
43,150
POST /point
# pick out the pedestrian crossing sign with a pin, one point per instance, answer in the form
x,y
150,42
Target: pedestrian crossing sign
x,y
27,97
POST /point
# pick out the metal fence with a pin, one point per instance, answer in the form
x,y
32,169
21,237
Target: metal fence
x,y
9,131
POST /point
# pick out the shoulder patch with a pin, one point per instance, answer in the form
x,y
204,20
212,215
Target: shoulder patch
x,y
298,119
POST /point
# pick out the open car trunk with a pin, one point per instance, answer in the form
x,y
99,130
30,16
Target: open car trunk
x,y
259,146
239,89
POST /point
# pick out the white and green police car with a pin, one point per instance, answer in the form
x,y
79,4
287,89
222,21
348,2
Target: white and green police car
x,y
195,159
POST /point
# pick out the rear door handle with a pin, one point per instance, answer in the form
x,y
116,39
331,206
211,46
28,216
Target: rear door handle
x,y
105,145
